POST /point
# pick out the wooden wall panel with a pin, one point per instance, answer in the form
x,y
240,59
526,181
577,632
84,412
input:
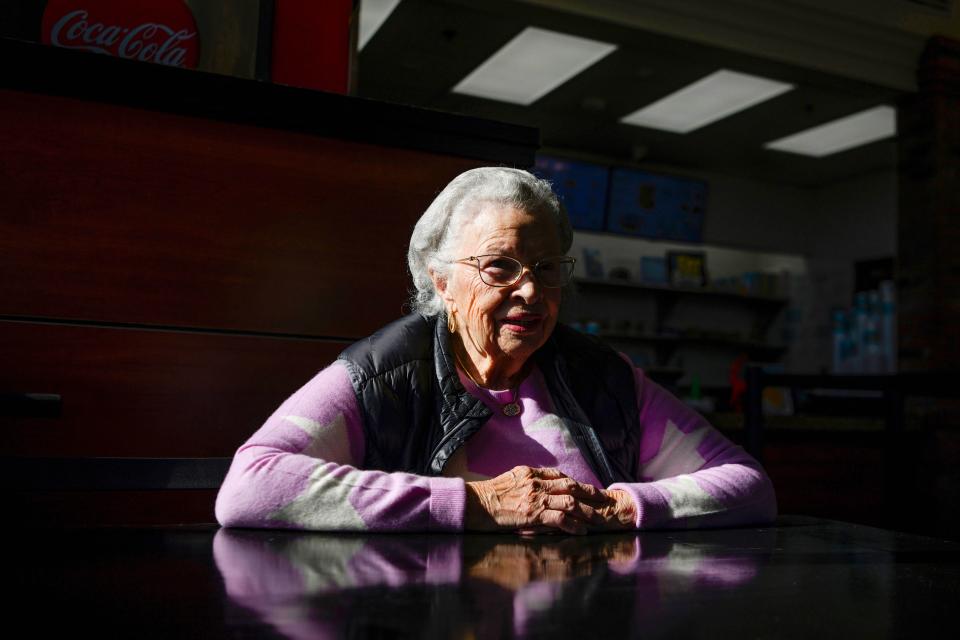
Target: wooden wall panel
x,y
113,508
179,252
117,214
129,392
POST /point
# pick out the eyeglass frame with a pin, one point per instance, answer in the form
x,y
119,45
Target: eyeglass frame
x,y
532,269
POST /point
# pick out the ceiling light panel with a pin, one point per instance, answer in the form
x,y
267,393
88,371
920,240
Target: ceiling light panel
x,y
532,65
707,100
846,133
373,13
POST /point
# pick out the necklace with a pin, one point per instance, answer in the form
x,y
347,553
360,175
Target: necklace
x,y
511,408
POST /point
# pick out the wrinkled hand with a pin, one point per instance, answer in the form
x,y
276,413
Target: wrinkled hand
x,y
618,514
530,500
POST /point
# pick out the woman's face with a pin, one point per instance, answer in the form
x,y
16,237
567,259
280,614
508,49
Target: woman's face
x,y
503,323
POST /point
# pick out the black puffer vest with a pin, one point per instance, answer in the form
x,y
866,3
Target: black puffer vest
x,y
416,413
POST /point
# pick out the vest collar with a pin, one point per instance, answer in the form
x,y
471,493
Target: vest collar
x,y
461,415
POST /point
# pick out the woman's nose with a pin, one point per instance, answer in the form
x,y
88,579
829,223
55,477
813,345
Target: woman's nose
x,y
527,286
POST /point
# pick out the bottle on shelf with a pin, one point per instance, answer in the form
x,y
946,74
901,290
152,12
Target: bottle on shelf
x,y
861,318
872,353
872,347
845,342
839,341
888,326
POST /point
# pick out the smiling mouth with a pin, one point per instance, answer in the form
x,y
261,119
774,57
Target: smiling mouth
x,y
522,324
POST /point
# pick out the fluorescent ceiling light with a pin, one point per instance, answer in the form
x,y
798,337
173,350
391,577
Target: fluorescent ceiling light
x,y
373,13
852,131
532,65
707,100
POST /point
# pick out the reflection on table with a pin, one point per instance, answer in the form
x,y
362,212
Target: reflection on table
x,y
803,578
479,586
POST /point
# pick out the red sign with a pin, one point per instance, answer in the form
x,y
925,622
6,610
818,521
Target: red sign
x,y
161,31
311,44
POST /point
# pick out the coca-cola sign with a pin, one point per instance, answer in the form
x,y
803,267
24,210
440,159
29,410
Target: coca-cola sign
x,y
161,31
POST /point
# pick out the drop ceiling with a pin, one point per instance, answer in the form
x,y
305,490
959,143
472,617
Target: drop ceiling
x,y
425,48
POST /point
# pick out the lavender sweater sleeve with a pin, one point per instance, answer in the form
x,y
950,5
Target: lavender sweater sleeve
x,y
690,474
299,470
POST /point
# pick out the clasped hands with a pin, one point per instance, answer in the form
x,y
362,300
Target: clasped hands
x,y
531,500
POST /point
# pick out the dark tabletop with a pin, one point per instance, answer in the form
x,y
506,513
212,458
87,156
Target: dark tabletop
x,y
804,578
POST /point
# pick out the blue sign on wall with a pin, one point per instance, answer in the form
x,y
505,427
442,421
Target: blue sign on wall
x,y
581,186
656,206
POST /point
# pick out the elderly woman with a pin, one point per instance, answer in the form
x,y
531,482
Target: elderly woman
x,y
480,412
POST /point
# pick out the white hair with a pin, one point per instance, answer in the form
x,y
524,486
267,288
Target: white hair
x,y
438,230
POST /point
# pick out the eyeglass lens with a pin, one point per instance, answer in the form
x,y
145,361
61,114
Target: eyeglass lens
x,y
504,271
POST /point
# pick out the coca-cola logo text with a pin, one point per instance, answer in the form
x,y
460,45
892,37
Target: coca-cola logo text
x,y
137,34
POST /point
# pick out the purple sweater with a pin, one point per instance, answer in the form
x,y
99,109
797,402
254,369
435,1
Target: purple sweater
x,y
299,470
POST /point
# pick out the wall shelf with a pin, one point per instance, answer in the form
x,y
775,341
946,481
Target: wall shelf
x,y
668,290
653,322
667,345
754,346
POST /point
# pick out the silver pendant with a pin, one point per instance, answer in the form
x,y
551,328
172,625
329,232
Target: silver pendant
x,y
511,409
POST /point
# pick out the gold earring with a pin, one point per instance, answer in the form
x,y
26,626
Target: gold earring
x,y
451,323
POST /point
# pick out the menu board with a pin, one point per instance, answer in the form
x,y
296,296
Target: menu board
x,y
656,206
581,186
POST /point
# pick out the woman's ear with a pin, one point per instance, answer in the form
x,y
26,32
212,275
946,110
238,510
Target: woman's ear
x,y
440,284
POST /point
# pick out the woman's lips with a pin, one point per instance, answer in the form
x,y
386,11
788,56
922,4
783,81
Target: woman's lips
x,y
525,323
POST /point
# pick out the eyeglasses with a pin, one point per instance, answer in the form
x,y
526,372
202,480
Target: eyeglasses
x,y
503,271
